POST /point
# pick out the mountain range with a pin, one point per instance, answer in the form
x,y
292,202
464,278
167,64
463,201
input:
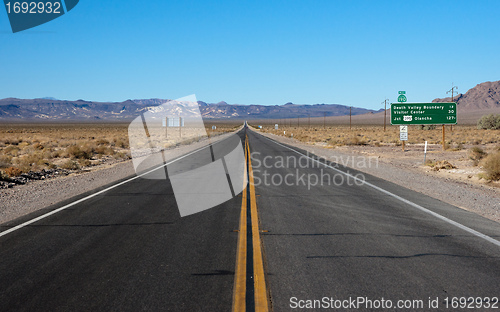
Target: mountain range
x,y
52,109
483,97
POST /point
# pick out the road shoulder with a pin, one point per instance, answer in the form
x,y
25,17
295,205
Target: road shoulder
x,y
31,197
480,200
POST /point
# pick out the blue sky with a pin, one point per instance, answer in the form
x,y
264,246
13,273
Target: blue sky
x,y
255,52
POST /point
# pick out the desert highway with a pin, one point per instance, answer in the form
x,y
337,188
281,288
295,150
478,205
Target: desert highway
x,y
278,246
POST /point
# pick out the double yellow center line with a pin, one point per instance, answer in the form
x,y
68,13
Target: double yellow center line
x,y
259,284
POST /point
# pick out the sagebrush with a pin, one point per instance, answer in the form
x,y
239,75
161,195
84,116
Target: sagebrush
x,y
491,166
491,122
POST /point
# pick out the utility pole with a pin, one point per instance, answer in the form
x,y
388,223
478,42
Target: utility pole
x,y
451,90
350,117
385,112
324,120
309,122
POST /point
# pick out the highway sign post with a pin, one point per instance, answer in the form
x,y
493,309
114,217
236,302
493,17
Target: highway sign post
x,y
424,114
403,135
402,99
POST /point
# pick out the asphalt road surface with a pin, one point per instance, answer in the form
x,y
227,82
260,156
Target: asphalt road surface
x,y
334,237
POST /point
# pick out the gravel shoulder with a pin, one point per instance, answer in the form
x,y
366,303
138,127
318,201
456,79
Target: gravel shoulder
x,y
408,170
24,199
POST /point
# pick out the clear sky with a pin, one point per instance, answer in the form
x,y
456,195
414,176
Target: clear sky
x,y
255,52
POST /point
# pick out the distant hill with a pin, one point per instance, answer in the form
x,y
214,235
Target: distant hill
x,y
150,102
51,109
484,96
48,109
224,110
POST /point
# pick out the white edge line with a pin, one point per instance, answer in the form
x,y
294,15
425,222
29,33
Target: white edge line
x,y
443,218
17,227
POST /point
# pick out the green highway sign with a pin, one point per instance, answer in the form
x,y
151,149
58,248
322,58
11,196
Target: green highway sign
x,y
423,113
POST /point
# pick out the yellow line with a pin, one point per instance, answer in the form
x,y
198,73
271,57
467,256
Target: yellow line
x,y
241,256
260,293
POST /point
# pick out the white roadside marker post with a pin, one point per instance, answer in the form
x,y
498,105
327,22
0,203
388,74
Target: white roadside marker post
x,y
425,151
